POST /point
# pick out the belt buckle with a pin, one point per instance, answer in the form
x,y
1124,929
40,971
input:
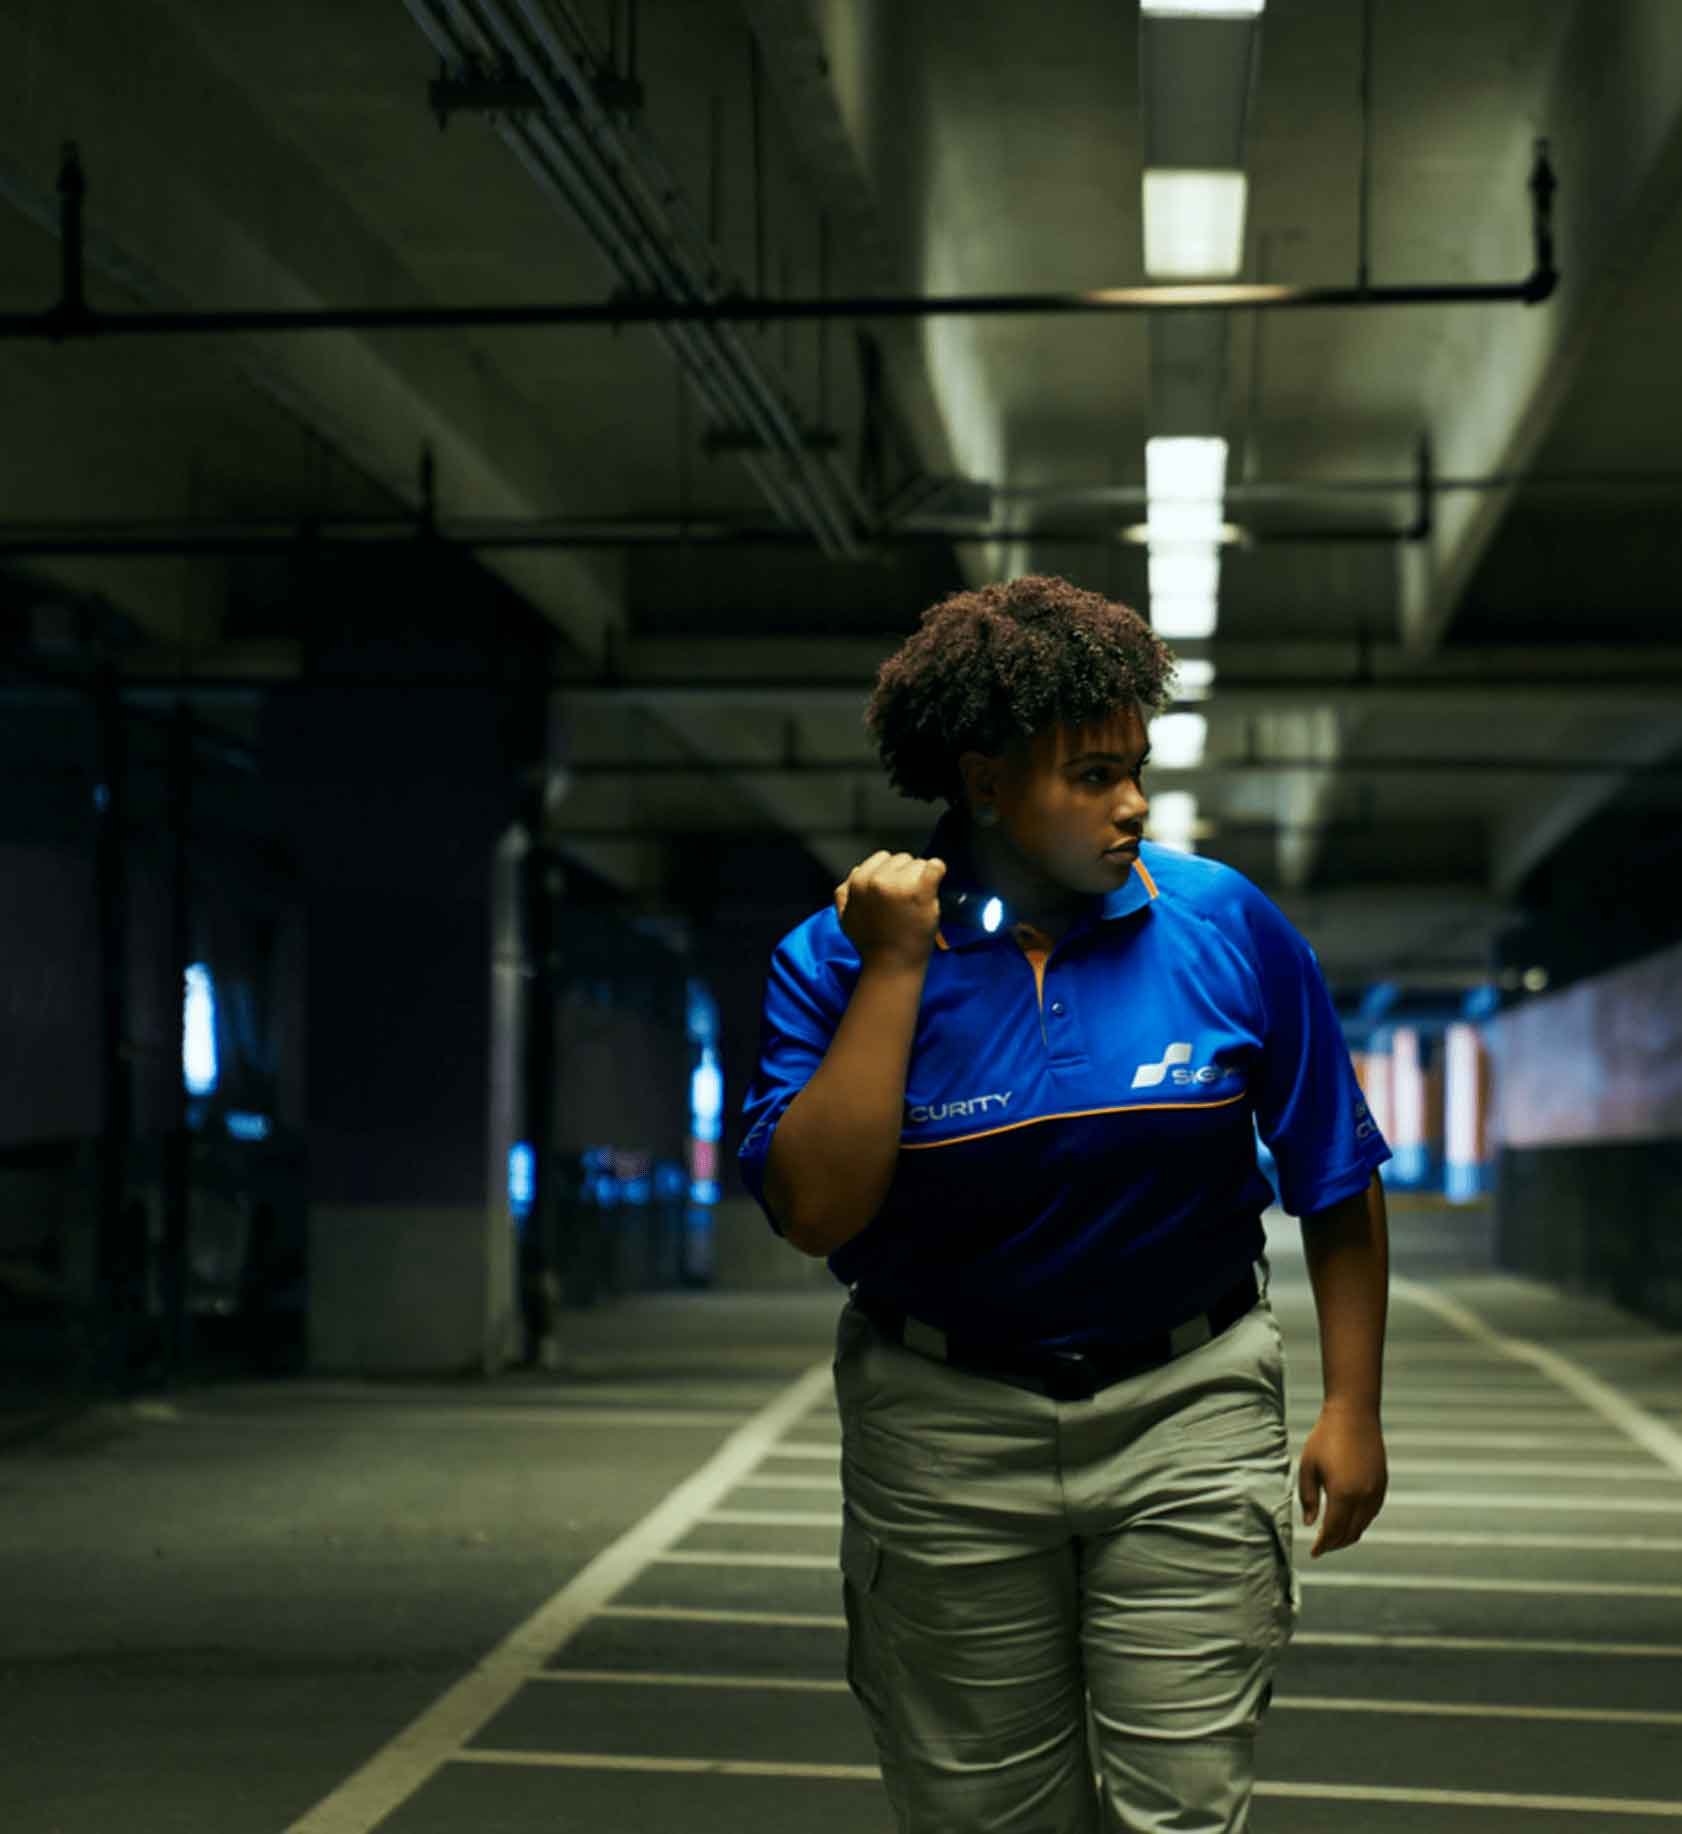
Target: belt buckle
x,y
1071,1376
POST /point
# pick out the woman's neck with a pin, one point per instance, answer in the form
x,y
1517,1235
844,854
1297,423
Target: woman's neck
x,y
1030,896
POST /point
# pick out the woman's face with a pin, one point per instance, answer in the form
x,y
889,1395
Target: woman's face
x,y
1065,798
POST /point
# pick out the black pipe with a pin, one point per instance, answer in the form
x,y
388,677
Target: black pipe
x,y
249,690
322,537
73,318
1217,767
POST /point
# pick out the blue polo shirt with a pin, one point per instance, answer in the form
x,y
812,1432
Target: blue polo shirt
x,y
1077,1156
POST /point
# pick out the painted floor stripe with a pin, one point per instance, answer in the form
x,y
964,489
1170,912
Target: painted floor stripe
x,y
1472,1799
418,1417
1619,1471
691,1767
399,1768
1299,1703
701,1614
1374,1537
1528,1647
868,1773
1359,1582
1653,1436
1497,1646
1489,1503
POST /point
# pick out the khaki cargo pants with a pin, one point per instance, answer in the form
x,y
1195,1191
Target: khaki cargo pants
x,y
1043,1592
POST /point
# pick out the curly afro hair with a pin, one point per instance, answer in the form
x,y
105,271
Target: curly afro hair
x,y
992,667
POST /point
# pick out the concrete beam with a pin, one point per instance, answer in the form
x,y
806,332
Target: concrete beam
x,y
256,224
1533,828
1613,118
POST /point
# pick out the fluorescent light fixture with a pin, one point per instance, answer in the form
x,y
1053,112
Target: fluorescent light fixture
x,y
1228,534
1194,223
1179,522
1173,820
1201,9
1190,570
1185,469
1177,740
1183,617
1194,677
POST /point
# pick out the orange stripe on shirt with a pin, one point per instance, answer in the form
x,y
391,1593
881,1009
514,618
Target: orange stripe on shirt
x,y
1075,1114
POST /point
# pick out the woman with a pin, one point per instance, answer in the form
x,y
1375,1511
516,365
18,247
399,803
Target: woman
x,y
1011,1090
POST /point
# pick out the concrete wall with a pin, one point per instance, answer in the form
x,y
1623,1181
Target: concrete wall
x,y
1589,1180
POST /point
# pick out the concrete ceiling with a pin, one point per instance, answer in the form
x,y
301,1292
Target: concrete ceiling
x,y
248,155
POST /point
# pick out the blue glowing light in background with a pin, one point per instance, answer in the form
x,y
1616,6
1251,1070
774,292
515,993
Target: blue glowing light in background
x,y
522,1177
198,1032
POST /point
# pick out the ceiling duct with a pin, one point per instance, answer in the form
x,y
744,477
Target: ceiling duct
x,y
606,174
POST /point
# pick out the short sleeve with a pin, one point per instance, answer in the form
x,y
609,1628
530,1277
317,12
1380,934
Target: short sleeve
x,y
1308,1105
805,998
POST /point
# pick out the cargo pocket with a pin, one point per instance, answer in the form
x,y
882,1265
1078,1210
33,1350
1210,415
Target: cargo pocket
x,y
861,1565
1289,1591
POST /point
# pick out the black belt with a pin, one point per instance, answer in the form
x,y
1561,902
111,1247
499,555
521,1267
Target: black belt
x,y
1064,1375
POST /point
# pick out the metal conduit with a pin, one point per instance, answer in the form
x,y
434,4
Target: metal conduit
x,y
674,270
667,202
160,540
138,537
73,318
636,255
1653,687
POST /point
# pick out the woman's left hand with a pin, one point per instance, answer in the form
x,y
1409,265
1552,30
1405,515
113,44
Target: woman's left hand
x,y
1343,1458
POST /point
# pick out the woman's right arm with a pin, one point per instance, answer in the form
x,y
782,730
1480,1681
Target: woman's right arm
x,y
833,1152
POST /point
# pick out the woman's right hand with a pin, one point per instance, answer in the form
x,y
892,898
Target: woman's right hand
x,y
889,906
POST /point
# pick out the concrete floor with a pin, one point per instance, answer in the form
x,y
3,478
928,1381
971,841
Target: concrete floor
x,y
220,1612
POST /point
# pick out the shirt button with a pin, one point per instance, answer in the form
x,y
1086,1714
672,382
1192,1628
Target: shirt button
x,y
1057,1007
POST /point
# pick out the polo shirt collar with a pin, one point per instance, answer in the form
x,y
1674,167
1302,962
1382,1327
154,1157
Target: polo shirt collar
x,y
950,842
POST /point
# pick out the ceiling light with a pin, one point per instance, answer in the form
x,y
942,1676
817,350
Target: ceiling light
x,y
1185,469
1194,224
1201,9
1194,676
1173,820
1177,741
1189,570
1183,617
1228,534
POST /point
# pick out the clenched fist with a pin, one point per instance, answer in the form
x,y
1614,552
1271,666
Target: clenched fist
x,y
889,906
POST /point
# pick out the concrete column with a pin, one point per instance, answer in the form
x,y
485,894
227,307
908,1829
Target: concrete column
x,y
1416,1099
1466,1155
397,797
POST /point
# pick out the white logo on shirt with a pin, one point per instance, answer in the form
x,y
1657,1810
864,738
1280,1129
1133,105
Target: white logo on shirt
x,y
1148,1075
939,1111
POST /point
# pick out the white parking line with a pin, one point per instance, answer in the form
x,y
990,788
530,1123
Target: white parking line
x,y
1472,1799
1622,1470
1394,1537
703,1614
868,1773
1315,1639
399,1768
1495,1646
1487,1502
1299,1703
1663,1442
1365,1582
